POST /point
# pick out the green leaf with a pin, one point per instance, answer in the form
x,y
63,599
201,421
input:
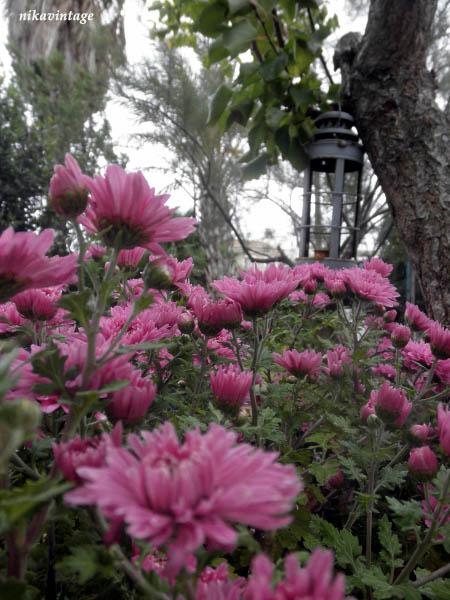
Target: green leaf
x,y
12,589
271,69
323,472
256,167
348,548
219,103
275,117
77,304
240,113
85,562
302,96
408,512
238,37
217,51
236,6
390,542
211,20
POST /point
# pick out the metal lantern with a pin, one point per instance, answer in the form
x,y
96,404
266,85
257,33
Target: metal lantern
x,y
332,186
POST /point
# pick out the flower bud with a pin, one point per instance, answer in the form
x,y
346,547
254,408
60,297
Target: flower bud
x,y
400,335
423,463
157,276
68,194
186,323
419,434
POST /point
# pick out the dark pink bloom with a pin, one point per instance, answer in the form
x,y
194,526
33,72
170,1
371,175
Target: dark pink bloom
x,y
369,285
378,265
213,316
68,194
385,370
315,581
392,405
129,259
36,304
369,408
258,291
215,584
230,385
335,284
130,404
23,264
400,335
390,315
84,452
421,432
122,204
417,355
423,462
439,338
443,427
183,495
336,480
300,364
416,318
443,371
337,359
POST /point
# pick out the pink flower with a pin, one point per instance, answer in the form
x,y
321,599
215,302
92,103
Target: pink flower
x,y
183,495
215,584
36,304
95,251
337,358
230,385
314,581
125,210
384,370
417,355
129,259
423,462
84,452
369,285
443,428
10,319
212,316
306,363
68,194
335,284
23,264
390,315
130,404
176,271
392,405
422,432
259,291
186,323
429,508
400,335
379,266
443,371
439,338
369,408
416,318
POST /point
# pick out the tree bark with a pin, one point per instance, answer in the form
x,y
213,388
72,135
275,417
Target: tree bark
x,y
391,93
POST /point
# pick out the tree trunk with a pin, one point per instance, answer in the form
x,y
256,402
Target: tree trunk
x,y
390,92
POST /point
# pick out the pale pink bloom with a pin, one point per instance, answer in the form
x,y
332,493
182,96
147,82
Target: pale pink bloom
x,y
95,251
153,562
131,403
335,284
195,294
306,363
258,291
215,584
164,313
400,335
129,259
68,193
177,271
230,385
439,338
416,318
123,204
423,462
220,345
299,296
421,432
315,581
416,355
369,285
378,265
321,299
23,264
392,404
142,329
183,495
84,452
337,359
212,316
385,370
443,427
36,305
10,318
443,371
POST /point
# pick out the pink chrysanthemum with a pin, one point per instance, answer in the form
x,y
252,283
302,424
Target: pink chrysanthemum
x,y
337,359
379,266
230,385
371,286
392,405
443,427
300,364
439,339
213,316
315,581
176,272
416,318
39,305
258,291
182,495
215,584
126,211
68,194
423,462
131,403
23,264
417,355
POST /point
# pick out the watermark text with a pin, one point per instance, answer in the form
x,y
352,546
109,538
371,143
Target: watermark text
x,y
35,15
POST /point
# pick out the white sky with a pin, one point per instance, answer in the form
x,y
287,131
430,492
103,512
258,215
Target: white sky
x,y
254,219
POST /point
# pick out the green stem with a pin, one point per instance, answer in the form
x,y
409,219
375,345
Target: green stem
x,y
432,576
422,548
82,252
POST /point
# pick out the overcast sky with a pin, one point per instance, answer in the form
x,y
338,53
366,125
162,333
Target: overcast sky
x,y
254,219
